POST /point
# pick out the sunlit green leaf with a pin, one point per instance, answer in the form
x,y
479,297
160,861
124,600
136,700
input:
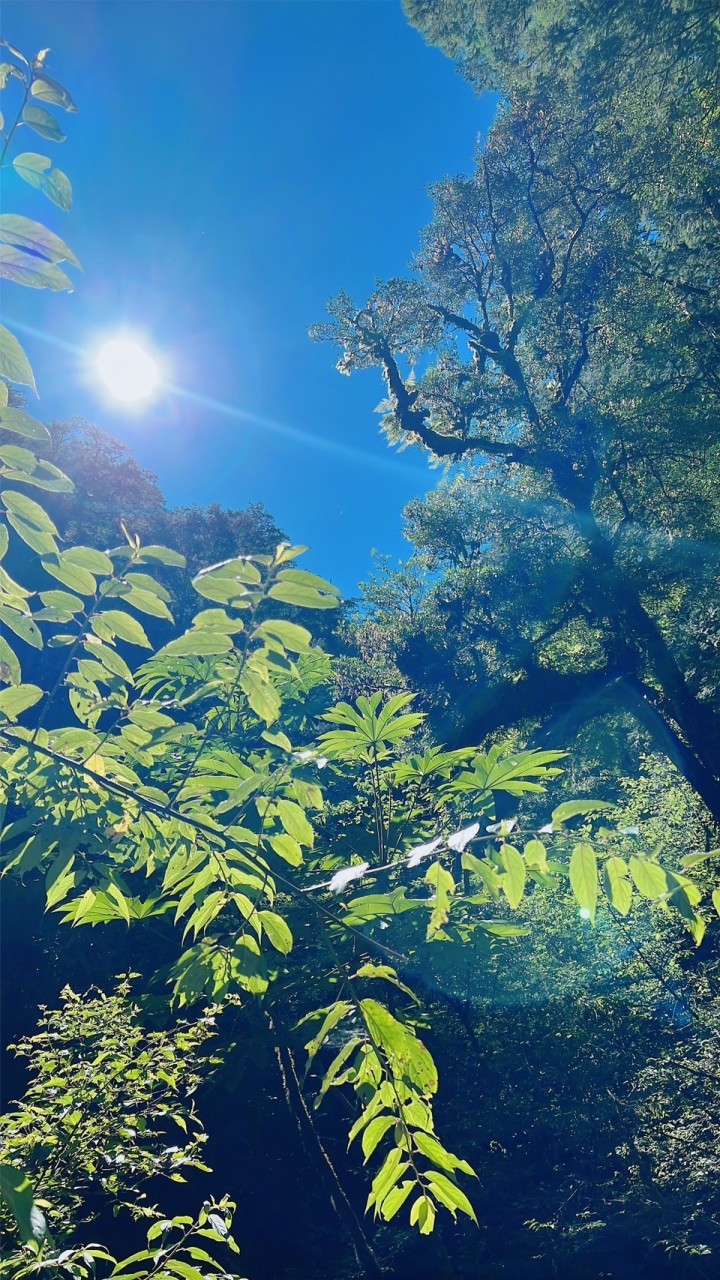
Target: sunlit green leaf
x,y
584,877
277,931
45,89
14,363
617,885
649,878
27,234
449,1194
513,882
17,699
21,424
17,1193
37,170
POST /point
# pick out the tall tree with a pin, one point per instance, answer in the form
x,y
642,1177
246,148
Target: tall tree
x,y
564,321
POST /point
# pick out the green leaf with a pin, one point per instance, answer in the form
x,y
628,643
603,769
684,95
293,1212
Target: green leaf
x,y
289,634
120,900
442,882
334,1014
9,666
14,363
294,821
16,1191
578,808
650,879
584,877
263,698
61,600
390,1172
23,626
71,575
386,974
396,1199
122,625
422,1213
716,899
407,1055
218,620
617,886
435,1151
335,1074
17,699
89,558
8,69
45,89
147,602
513,882
43,123
277,931
24,268
536,855
38,172
26,234
162,555
30,521
197,643
305,590
503,929
21,424
449,1195
287,849
374,1134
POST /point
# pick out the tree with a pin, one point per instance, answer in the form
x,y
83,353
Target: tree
x,y
171,801
564,317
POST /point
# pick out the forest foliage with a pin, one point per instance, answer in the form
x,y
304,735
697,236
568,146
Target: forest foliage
x,y
327,877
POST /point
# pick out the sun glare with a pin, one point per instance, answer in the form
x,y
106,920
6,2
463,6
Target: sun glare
x,y
128,371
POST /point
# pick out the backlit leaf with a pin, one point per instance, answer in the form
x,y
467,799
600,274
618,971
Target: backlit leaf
x,y
584,877
21,424
43,122
14,364
37,170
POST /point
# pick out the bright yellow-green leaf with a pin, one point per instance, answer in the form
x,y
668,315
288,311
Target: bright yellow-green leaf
x,y
617,885
14,364
277,931
513,881
21,424
17,699
650,878
584,878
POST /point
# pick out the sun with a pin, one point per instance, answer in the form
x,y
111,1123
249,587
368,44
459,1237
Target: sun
x,y
128,370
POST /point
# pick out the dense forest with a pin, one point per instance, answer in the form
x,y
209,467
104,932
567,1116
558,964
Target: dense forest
x,y
381,936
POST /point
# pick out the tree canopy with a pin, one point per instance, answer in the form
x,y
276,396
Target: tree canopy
x,y
371,963
559,340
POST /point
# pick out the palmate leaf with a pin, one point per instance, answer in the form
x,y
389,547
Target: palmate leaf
x,y
368,729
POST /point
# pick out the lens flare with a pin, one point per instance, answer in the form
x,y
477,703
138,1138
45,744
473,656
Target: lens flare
x,y
128,371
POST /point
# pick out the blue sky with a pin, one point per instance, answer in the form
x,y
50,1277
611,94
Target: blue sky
x,y
234,164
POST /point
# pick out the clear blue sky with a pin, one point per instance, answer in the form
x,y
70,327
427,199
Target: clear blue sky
x,y
235,163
